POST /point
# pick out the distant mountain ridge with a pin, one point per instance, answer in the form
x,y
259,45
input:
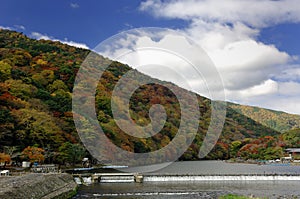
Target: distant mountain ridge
x,y
277,120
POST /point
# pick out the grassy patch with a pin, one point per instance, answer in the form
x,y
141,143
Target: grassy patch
x,y
232,196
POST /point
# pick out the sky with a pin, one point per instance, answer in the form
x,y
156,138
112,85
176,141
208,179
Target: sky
x,y
254,44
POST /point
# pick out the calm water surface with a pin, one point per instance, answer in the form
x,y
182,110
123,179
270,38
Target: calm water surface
x,y
163,190
221,167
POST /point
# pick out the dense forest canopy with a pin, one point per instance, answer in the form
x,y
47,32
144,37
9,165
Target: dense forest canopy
x,y
36,84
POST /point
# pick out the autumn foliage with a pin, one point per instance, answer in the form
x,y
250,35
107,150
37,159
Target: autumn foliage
x,y
34,154
36,83
4,158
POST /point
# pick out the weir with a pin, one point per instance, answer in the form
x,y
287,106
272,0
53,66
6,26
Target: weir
x,y
107,178
139,178
192,178
113,177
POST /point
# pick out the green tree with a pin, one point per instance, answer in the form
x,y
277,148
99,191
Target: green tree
x,y
7,128
5,71
273,153
63,101
37,127
57,84
234,148
43,78
19,89
71,153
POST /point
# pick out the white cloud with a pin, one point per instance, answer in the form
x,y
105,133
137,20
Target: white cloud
x,y
246,63
265,88
14,27
256,13
5,28
166,55
253,72
38,36
289,89
76,44
290,104
292,73
74,5
216,35
20,27
246,66
277,95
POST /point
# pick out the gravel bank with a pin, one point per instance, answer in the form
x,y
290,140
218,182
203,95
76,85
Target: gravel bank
x,y
33,186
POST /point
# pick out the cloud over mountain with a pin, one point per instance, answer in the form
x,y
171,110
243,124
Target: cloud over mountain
x,y
228,32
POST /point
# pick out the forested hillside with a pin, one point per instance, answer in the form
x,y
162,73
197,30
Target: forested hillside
x,y
276,120
36,83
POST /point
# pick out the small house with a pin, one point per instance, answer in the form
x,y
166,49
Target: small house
x,y
294,152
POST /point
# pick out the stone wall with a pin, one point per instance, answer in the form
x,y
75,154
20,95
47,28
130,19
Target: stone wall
x,y
43,186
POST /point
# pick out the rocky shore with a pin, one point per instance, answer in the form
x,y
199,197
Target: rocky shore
x,y
45,186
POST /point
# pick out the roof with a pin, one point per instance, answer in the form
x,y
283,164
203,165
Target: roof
x,y
293,150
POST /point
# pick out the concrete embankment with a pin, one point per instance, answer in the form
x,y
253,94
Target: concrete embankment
x,y
45,186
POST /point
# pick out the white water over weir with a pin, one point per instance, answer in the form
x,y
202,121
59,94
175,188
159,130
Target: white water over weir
x,y
191,178
116,178
139,178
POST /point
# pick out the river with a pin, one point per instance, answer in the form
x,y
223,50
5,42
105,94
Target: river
x,y
168,190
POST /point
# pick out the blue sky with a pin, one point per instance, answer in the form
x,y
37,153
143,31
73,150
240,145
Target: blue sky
x,y
88,22
254,44
93,21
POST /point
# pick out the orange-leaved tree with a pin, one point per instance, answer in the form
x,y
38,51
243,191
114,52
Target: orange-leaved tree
x,y
34,154
4,158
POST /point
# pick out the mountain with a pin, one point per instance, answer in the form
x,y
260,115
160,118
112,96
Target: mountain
x,y
277,120
36,85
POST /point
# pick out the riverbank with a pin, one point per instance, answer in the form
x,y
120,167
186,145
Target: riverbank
x,y
33,185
